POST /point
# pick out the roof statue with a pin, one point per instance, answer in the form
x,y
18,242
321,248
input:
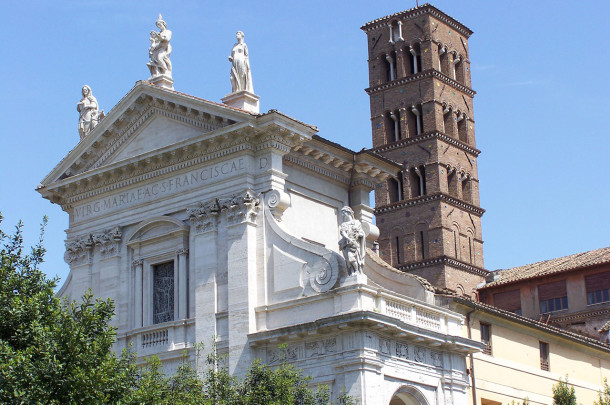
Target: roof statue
x,y
159,52
242,92
89,114
241,76
352,242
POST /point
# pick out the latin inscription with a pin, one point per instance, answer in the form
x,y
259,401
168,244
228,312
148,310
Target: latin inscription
x,y
164,187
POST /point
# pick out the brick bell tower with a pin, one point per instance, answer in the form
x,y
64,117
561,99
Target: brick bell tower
x,y
422,117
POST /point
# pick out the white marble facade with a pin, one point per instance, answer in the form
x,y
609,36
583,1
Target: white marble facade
x,y
202,220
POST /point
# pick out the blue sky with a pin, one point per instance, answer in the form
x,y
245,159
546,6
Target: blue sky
x,y
539,68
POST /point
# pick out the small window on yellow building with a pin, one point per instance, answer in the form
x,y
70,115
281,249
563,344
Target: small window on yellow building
x,y
486,337
544,356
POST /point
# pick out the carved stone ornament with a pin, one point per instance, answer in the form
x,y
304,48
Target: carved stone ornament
x,y
108,241
352,242
78,250
324,273
89,114
238,209
278,202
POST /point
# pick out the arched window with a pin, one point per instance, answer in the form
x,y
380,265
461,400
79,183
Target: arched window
x,y
448,121
414,59
394,190
421,241
462,126
456,241
393,126
459,70
452,181
467,188
417,180
443,60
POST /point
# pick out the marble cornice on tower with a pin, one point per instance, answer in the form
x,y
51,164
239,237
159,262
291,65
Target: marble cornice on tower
x,y
418,11
424,137
478,211
419,76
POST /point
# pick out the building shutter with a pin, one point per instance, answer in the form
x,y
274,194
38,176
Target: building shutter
x,y
552,290
508,300
598,281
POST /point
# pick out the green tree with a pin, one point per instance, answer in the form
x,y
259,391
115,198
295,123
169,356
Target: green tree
x,y
51,353
603,397
563,393
54,352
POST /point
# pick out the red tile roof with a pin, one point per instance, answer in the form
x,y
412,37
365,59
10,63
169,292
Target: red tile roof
x,y
552,266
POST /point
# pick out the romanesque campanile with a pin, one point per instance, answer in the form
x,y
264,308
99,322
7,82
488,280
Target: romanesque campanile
x,y
422,117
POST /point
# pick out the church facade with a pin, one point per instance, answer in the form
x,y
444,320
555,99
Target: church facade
x,y
212,223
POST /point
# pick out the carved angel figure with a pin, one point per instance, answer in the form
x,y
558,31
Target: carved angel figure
x,y
89,114
241,77
352,241
160,50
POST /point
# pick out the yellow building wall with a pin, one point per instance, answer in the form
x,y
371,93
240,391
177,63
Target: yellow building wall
x,y
513,371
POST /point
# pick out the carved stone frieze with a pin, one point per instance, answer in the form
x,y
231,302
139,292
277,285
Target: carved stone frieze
x,y
321,347
280,354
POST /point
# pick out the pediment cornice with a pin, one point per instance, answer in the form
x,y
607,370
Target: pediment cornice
x,y
140,105
259,134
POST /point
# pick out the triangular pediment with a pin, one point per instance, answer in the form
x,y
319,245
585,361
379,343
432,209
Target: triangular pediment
x,y
146,119
156,133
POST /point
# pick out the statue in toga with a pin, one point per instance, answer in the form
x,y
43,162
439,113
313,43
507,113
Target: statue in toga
x,y
160,50
241,77
352,241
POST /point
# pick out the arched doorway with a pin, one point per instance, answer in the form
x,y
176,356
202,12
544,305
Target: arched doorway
x,y
408,396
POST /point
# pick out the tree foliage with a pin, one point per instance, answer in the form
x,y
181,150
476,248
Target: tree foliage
x,y
603,397
563,393
54,352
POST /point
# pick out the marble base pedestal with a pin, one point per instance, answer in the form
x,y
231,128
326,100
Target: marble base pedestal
x,y
162,81
244,100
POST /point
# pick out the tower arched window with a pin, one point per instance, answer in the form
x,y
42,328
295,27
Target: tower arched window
x,y
455,59
459,70
396,31
395,189
421,241
466,185
456,241
393,126
448,121
417,177
462,126
443,60
414,59
390,65
416,120
453,181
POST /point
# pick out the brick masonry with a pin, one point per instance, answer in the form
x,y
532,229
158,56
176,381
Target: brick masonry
x,y
422,117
